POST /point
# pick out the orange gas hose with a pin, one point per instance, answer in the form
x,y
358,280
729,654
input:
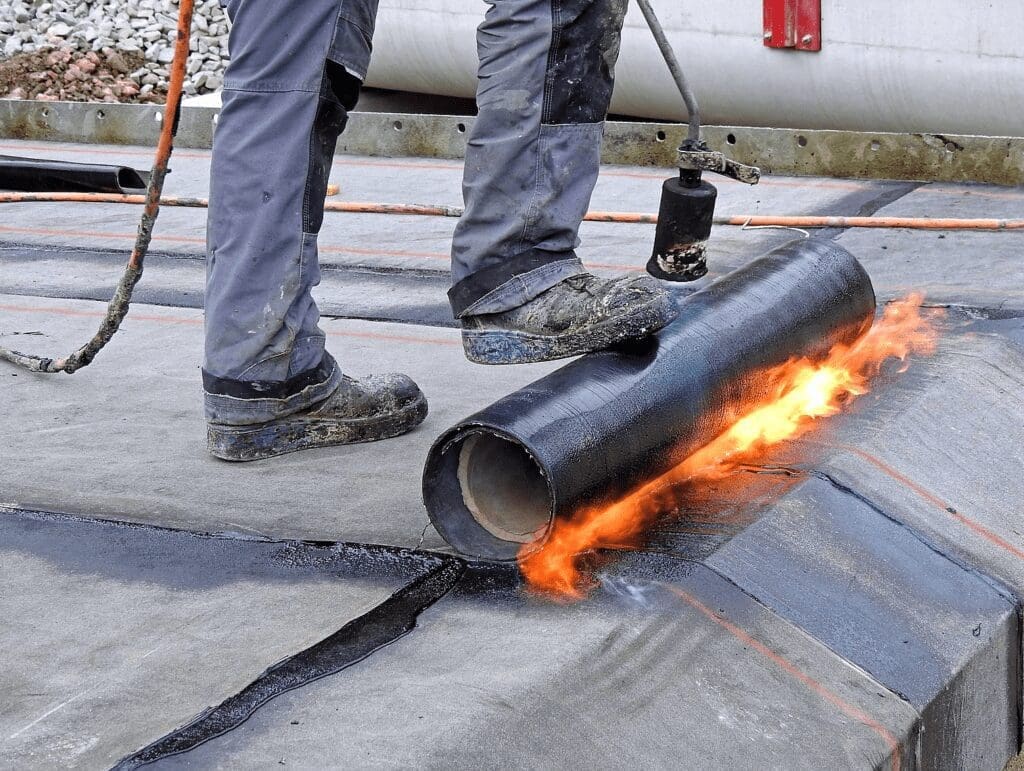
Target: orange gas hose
x,y
117,309
441,210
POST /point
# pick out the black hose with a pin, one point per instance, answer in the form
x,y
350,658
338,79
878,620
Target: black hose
x,y
47,176
689,98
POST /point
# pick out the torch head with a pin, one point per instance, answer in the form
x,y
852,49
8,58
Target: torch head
x,y
688,211
684,226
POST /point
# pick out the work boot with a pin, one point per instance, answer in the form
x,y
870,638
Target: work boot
x,y
578,315
377,407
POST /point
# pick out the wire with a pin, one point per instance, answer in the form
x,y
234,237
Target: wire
x,y
118,306
747,226
908,223
748,221
689,98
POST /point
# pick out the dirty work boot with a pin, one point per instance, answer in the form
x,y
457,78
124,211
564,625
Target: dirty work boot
x,y
578,315
376,407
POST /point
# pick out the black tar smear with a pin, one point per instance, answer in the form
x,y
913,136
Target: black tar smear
x,y
359,638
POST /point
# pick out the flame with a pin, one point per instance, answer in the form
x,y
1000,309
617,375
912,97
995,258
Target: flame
x,y
800,391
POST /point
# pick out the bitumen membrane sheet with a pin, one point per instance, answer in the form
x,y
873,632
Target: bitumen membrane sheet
x,y
852,602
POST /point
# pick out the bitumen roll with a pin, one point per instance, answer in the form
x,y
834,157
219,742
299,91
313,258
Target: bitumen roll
x,y
597,427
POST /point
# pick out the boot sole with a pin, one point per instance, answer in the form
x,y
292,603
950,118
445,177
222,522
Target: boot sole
x,y
246,443
510,347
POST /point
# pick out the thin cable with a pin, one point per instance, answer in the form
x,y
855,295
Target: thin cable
x,y
689,98
117,309
747,226
905,223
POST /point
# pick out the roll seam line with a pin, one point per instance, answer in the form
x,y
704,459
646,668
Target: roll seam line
x,y
928,496
611,170
892,743
198,322
328,248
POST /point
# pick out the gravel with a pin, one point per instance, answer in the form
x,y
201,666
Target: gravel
x,y
71,75
142,31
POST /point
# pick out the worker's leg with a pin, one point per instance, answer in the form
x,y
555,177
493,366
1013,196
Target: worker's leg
x,y
545,82
295,71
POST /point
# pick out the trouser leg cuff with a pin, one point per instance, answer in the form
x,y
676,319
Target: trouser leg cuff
x,y
239,402
513,282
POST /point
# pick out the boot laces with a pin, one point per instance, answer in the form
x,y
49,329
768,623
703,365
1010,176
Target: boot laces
x,y
586,282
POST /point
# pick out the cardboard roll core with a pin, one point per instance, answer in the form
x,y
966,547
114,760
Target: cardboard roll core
x,y
503,488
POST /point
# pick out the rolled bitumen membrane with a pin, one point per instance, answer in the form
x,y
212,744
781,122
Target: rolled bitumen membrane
x,y
592,430
45,176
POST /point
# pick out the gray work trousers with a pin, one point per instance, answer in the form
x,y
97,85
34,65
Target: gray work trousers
x,y
545,81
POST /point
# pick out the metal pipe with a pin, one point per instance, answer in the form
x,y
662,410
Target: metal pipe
x,y
594,429
636,218
689,98
913,49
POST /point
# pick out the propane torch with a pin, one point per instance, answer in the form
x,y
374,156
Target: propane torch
x,y
687,200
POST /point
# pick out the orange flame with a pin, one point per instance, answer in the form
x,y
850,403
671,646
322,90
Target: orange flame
x,y
802,391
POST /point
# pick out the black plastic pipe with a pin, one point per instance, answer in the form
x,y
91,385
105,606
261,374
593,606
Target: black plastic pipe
x,y
594,429
35,175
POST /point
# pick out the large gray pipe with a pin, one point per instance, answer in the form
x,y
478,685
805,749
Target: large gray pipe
x,y
939,66
598,426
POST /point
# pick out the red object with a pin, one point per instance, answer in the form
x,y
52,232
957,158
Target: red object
x,y
793,24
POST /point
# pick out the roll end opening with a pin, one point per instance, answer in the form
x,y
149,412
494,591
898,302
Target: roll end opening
x,y
504,488
487,495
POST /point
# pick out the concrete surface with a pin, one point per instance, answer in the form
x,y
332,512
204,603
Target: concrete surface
x,y
114,635
495,681
87,428
852,603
